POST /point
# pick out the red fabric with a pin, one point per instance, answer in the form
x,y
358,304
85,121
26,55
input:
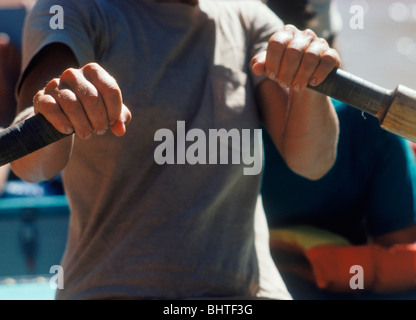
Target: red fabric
x,y
384,269
413,147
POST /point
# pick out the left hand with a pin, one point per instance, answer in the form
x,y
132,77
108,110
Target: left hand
x,y
296,58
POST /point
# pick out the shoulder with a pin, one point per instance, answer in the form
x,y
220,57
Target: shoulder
x,y
51,6
250,12
44,10
67,4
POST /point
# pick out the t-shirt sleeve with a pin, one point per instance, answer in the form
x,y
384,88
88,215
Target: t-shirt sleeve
x,y
263,24
60,21
392,203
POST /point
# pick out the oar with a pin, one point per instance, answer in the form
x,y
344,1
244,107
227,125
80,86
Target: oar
x,y
395,109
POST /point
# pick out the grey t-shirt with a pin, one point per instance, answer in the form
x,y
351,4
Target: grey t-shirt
x,y
139,229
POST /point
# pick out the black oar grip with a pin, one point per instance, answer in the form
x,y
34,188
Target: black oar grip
x,y
26,137
354,91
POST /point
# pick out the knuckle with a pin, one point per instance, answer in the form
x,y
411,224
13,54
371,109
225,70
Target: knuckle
x,y
91,68
280,39
114,93
329,59
93,65
276,42
43,103
290,27
52,85
333,54
321,43
310,33
66,95
69,75
38,97
325,45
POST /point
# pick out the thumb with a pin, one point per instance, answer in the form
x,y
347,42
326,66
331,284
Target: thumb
x,y
119,127
258,64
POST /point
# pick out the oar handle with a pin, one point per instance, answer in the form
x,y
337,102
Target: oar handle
x,y
354,91
36,132
26,137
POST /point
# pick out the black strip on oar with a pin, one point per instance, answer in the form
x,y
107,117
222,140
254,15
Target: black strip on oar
x,y
26,137
355,92
395,109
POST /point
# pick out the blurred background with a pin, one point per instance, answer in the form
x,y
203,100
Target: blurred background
x,y
33,217
383,51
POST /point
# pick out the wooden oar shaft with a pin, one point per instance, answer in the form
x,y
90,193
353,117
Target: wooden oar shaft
x,y
395,109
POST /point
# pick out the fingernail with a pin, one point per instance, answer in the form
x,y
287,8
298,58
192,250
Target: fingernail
x,y
69,129
112,123
272,76
283,85
313,81
296,87
100,132
87,135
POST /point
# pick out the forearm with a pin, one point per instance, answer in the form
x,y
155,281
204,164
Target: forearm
x,y
49,161
45,163
83,101
310,134
8,104
4,174
303,126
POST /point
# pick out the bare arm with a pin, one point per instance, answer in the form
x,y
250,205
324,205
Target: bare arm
x,y
46,163
302,123
83,100
4,175
9,72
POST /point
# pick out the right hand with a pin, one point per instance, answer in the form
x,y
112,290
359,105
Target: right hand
x,y
296,58
86,100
